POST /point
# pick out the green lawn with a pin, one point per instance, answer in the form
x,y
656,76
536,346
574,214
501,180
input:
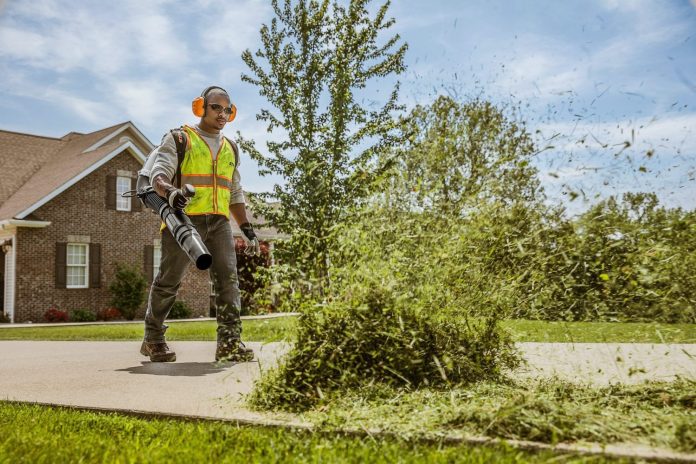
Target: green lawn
x,y
30,434
282,329
268,330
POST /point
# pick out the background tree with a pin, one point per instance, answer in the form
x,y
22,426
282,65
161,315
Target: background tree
x,y
314,66
459,154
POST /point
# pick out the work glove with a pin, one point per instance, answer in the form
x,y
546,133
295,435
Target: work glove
x,y
253,247
177,199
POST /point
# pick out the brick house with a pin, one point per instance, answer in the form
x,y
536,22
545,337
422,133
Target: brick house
x,y
64,226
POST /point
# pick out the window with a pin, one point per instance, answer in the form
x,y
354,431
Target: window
x,y
156,256
123,184
77,259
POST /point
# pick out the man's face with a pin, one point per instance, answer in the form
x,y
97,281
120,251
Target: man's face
x,y
215,115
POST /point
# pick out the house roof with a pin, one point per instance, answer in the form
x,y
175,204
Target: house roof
x,y
35,169
21,155
263,231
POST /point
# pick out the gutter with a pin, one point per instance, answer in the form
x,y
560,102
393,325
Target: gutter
x,y
12,224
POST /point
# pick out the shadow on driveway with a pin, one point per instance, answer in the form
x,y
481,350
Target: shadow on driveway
x,y
183,369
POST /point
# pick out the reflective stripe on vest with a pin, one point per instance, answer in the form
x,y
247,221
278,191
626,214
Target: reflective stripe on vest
x,y
212,178
204,180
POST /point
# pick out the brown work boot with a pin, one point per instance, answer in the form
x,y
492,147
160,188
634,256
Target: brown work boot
x,y
234,351
157,351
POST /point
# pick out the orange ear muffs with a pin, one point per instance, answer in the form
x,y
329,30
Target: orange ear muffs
x,y
198,104
198,107
233,114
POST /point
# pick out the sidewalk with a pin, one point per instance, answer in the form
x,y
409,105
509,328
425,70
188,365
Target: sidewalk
x,y
114,375
605,363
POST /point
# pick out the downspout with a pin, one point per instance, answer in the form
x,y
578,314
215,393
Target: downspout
x,y
10,277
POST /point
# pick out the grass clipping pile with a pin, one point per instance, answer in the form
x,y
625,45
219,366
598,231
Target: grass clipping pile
x,y
373,338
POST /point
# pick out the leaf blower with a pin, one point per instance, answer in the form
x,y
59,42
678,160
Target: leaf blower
x,y
176,221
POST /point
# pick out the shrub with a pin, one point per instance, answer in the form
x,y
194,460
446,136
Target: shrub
x,y
83,315
373,337
627,260
4,319
128,290
281,288
56,315
180,310
109,314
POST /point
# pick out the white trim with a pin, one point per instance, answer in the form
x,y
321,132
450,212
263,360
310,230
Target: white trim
x,y
10,280
134,150
156,262
12,224
126,126
86,265
119,196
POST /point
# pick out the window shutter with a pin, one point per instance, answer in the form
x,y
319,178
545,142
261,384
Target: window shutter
x,y
149,258
110,192
95,265
61,264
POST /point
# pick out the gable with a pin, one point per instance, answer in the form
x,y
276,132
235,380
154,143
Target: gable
x,y
73,174
46,167
58,175
126,132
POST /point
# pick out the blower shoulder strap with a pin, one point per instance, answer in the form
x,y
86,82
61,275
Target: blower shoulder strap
x,y
235,149
181,141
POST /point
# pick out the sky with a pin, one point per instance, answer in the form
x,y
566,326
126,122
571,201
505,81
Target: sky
x,y
588,77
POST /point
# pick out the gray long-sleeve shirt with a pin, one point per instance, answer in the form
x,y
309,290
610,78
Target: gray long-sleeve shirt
x,y
163,160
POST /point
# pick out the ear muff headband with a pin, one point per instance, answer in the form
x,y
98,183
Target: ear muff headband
x,y
199,104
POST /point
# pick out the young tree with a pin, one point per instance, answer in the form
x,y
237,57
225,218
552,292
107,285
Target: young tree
x,y
314,66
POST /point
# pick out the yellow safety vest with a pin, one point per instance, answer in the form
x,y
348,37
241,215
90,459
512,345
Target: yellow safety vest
x,y
212,178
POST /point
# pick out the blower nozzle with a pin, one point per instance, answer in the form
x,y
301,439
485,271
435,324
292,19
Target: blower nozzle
x,y
177,222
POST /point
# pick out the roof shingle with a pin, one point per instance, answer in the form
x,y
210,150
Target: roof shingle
x,y
34,166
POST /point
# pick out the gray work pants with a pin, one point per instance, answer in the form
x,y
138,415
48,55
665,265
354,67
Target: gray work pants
x,y
217,236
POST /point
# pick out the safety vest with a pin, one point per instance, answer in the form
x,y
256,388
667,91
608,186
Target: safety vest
x,y
212,178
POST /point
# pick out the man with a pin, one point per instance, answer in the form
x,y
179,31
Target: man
x,y
210,164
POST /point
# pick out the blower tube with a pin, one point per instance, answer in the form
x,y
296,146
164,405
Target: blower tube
x,y
177,222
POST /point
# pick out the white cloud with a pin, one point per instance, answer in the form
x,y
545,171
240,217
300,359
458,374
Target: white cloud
x,y
236,28
544,66
91,109
104,62
39,9
674,133
21,44
160,44
104,40
543,71
144,99
589,159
